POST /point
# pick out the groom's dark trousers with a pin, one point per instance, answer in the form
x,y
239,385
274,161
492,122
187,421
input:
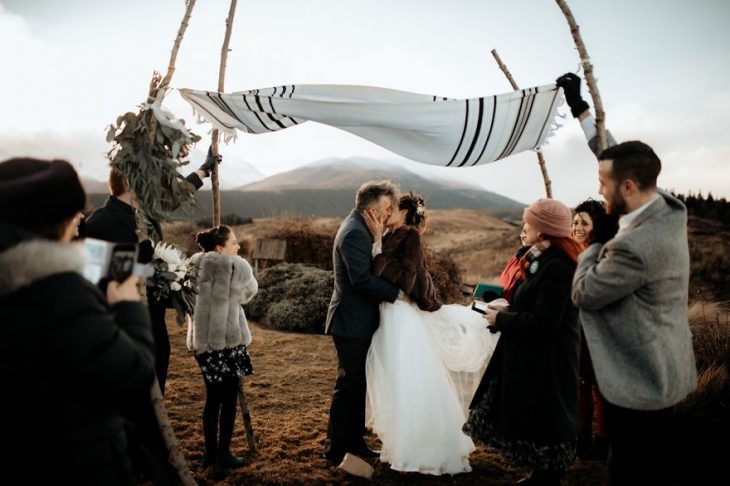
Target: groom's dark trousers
x,y
347,412
352,318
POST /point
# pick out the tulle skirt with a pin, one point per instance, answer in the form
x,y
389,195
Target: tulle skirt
x,y
422,371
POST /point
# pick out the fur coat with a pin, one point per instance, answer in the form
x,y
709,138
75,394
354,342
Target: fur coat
x,y
224,283
403,263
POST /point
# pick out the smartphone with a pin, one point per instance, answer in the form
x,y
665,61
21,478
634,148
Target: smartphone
x,y
480,307
123,258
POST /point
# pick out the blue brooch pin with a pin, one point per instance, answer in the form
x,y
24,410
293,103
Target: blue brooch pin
x,y
533,267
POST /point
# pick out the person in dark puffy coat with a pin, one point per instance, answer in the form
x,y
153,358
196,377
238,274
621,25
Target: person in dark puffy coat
x,y
68,355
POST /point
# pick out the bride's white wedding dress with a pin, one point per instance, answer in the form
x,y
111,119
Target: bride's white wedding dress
x,y
422,371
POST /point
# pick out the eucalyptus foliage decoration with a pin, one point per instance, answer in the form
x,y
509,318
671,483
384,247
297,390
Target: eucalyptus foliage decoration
x,y
149,147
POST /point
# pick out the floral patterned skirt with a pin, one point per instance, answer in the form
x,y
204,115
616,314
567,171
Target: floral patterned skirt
x,y
225,363
482,425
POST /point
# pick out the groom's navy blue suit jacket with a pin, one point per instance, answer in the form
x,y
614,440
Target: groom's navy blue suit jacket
x,y
353,310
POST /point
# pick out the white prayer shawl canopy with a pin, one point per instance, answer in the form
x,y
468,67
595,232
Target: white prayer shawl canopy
x,y
425,128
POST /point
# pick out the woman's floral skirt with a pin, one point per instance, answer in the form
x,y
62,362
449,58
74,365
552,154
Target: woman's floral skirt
x,y
225,363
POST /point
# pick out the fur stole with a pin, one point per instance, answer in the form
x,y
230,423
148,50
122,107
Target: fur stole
x,y
224,283
403,263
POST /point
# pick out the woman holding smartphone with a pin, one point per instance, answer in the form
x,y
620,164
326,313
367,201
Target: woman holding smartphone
x,y
527,402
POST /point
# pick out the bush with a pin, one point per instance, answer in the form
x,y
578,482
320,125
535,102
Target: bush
x,y
304,244
700,441
230,219
292,297
446,276
181,234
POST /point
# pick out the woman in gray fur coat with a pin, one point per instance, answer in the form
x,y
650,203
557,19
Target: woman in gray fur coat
x,y
219,335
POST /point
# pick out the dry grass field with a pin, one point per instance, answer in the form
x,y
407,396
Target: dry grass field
x,y
288,398
294,374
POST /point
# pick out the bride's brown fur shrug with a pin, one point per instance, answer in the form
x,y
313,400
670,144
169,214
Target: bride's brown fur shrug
x,y
403,263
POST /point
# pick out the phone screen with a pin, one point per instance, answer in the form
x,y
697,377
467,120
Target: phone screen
x,y
122,262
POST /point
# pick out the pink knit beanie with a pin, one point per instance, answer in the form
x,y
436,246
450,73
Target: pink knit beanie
x,y
549,217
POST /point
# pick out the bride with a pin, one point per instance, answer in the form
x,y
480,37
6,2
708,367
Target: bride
x,y
425,360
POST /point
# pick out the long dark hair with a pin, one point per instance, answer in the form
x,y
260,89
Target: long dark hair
x,y
604,225
216,236
416,207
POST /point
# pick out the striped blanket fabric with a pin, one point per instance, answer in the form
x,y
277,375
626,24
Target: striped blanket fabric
x,y
425,128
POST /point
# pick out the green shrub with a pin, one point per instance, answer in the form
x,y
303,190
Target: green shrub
x,y
292,297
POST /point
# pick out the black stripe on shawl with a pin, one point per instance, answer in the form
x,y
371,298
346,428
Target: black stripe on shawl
x,y
491,126
211,98
477,132
517,119
466,121
224,105
547,117
292,90
271,117
256,114
283,92
526,118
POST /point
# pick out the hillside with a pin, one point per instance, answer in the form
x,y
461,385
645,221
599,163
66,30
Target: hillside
x,y
327,188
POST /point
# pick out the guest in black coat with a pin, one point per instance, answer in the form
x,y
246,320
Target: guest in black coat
x,y
69,356
115,222
527,402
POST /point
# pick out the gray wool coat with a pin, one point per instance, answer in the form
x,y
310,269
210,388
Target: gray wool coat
x,y
632,297
224,283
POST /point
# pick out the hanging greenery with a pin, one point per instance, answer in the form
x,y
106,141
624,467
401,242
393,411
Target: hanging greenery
x,y
149,147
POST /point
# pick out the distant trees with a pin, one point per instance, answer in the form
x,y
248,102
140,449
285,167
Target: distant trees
x,y
706,206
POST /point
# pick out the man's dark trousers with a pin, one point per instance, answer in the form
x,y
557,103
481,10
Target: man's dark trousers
x,y
638,441
347,412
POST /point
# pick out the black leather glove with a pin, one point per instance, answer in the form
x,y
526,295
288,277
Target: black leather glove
x,y
210,161
571,87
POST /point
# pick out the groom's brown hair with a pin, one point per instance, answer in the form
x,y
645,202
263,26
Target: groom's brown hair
x,y
371,191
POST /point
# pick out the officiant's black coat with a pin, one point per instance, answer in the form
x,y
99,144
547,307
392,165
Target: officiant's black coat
x,y
536,360
353,310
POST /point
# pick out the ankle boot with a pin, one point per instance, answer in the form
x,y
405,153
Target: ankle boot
x,y
209,458
228,460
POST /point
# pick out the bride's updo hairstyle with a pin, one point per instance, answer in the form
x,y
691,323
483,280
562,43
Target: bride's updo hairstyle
x,y
416,206
218,235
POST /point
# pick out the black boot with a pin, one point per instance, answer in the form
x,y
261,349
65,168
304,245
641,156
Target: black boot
x,y
228,460
546,477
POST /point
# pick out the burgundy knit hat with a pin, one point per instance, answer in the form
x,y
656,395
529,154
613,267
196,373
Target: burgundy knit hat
x,y
37,194
549,217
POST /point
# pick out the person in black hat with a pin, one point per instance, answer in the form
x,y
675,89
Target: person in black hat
x,y
68,355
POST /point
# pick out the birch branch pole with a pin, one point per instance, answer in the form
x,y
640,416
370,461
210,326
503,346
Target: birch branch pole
x,y
176,46
177,458
540,158
214,137
588,74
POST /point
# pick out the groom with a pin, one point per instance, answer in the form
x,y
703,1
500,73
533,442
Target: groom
x,y
353,316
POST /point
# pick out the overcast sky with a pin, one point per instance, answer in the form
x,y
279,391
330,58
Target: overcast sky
x,y
70,68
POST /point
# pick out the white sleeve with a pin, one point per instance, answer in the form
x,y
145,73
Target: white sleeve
x,y
377,248
589,127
